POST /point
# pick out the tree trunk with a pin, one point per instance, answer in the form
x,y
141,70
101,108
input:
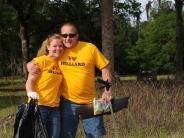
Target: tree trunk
x,y
179,40
25,45
1,50
23,10
107,30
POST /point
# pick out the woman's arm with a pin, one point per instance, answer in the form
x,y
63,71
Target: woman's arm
x,y
30,86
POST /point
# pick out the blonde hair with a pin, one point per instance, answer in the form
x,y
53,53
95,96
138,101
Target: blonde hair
x,y
43,49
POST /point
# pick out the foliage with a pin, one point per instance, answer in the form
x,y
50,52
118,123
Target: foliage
x,y
125,35
9,43
47,16
155,47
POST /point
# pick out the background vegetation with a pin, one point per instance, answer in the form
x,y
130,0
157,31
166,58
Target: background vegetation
x,y
155,110
148,45
156,107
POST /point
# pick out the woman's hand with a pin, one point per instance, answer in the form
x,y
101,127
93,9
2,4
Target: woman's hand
x,y
33,95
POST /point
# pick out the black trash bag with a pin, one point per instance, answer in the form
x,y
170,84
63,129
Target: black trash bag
x,y
28,122
87,111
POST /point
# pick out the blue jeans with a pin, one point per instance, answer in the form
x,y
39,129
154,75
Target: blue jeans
x,y
93,127
51,119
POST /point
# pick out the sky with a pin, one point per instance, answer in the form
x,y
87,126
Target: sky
x,y
143,4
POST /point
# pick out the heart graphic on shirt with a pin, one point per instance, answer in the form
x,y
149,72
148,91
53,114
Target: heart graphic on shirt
x,y
74,58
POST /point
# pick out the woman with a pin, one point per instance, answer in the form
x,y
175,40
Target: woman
x,y
45,87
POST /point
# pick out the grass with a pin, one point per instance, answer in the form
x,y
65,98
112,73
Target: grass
x,y
156,110
132,77
10,80
159,77
9,102
12,94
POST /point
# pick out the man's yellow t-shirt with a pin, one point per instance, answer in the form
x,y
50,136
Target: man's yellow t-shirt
x,y
49,82
78,68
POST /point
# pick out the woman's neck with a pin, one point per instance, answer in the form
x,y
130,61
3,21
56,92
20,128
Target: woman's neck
x,y
53,58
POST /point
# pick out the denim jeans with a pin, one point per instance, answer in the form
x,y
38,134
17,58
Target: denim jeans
x,y
51,118
93,127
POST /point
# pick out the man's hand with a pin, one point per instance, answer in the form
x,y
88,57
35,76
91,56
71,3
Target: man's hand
x,y
100,107
33,95
107,95
33,68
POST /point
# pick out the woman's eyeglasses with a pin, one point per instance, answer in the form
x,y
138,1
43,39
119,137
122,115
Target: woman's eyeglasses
x,y
70,35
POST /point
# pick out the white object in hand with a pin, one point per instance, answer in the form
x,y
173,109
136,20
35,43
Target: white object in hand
x,y
100,107
33,95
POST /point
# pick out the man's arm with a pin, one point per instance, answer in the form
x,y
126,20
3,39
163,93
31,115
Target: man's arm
x,y
33,68
106,75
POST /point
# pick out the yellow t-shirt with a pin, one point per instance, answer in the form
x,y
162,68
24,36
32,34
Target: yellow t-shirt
x,y
78,68
49,82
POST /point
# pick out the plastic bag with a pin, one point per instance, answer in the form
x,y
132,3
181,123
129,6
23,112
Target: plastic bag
x,y
28,122
100,107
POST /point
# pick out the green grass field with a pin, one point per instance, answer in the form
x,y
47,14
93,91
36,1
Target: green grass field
x,y
12,93
9,102
155,109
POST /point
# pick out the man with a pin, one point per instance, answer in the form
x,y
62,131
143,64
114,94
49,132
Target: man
x,y
77,65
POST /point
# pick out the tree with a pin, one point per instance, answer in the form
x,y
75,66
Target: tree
x,y
107,30
179,40
148,7
9,42
125,32
47,18
24,10
155,48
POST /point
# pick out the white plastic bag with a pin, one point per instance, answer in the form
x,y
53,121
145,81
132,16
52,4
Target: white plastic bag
x,y
100,107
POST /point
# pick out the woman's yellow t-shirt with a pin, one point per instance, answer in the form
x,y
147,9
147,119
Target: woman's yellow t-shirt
x,y
49,82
